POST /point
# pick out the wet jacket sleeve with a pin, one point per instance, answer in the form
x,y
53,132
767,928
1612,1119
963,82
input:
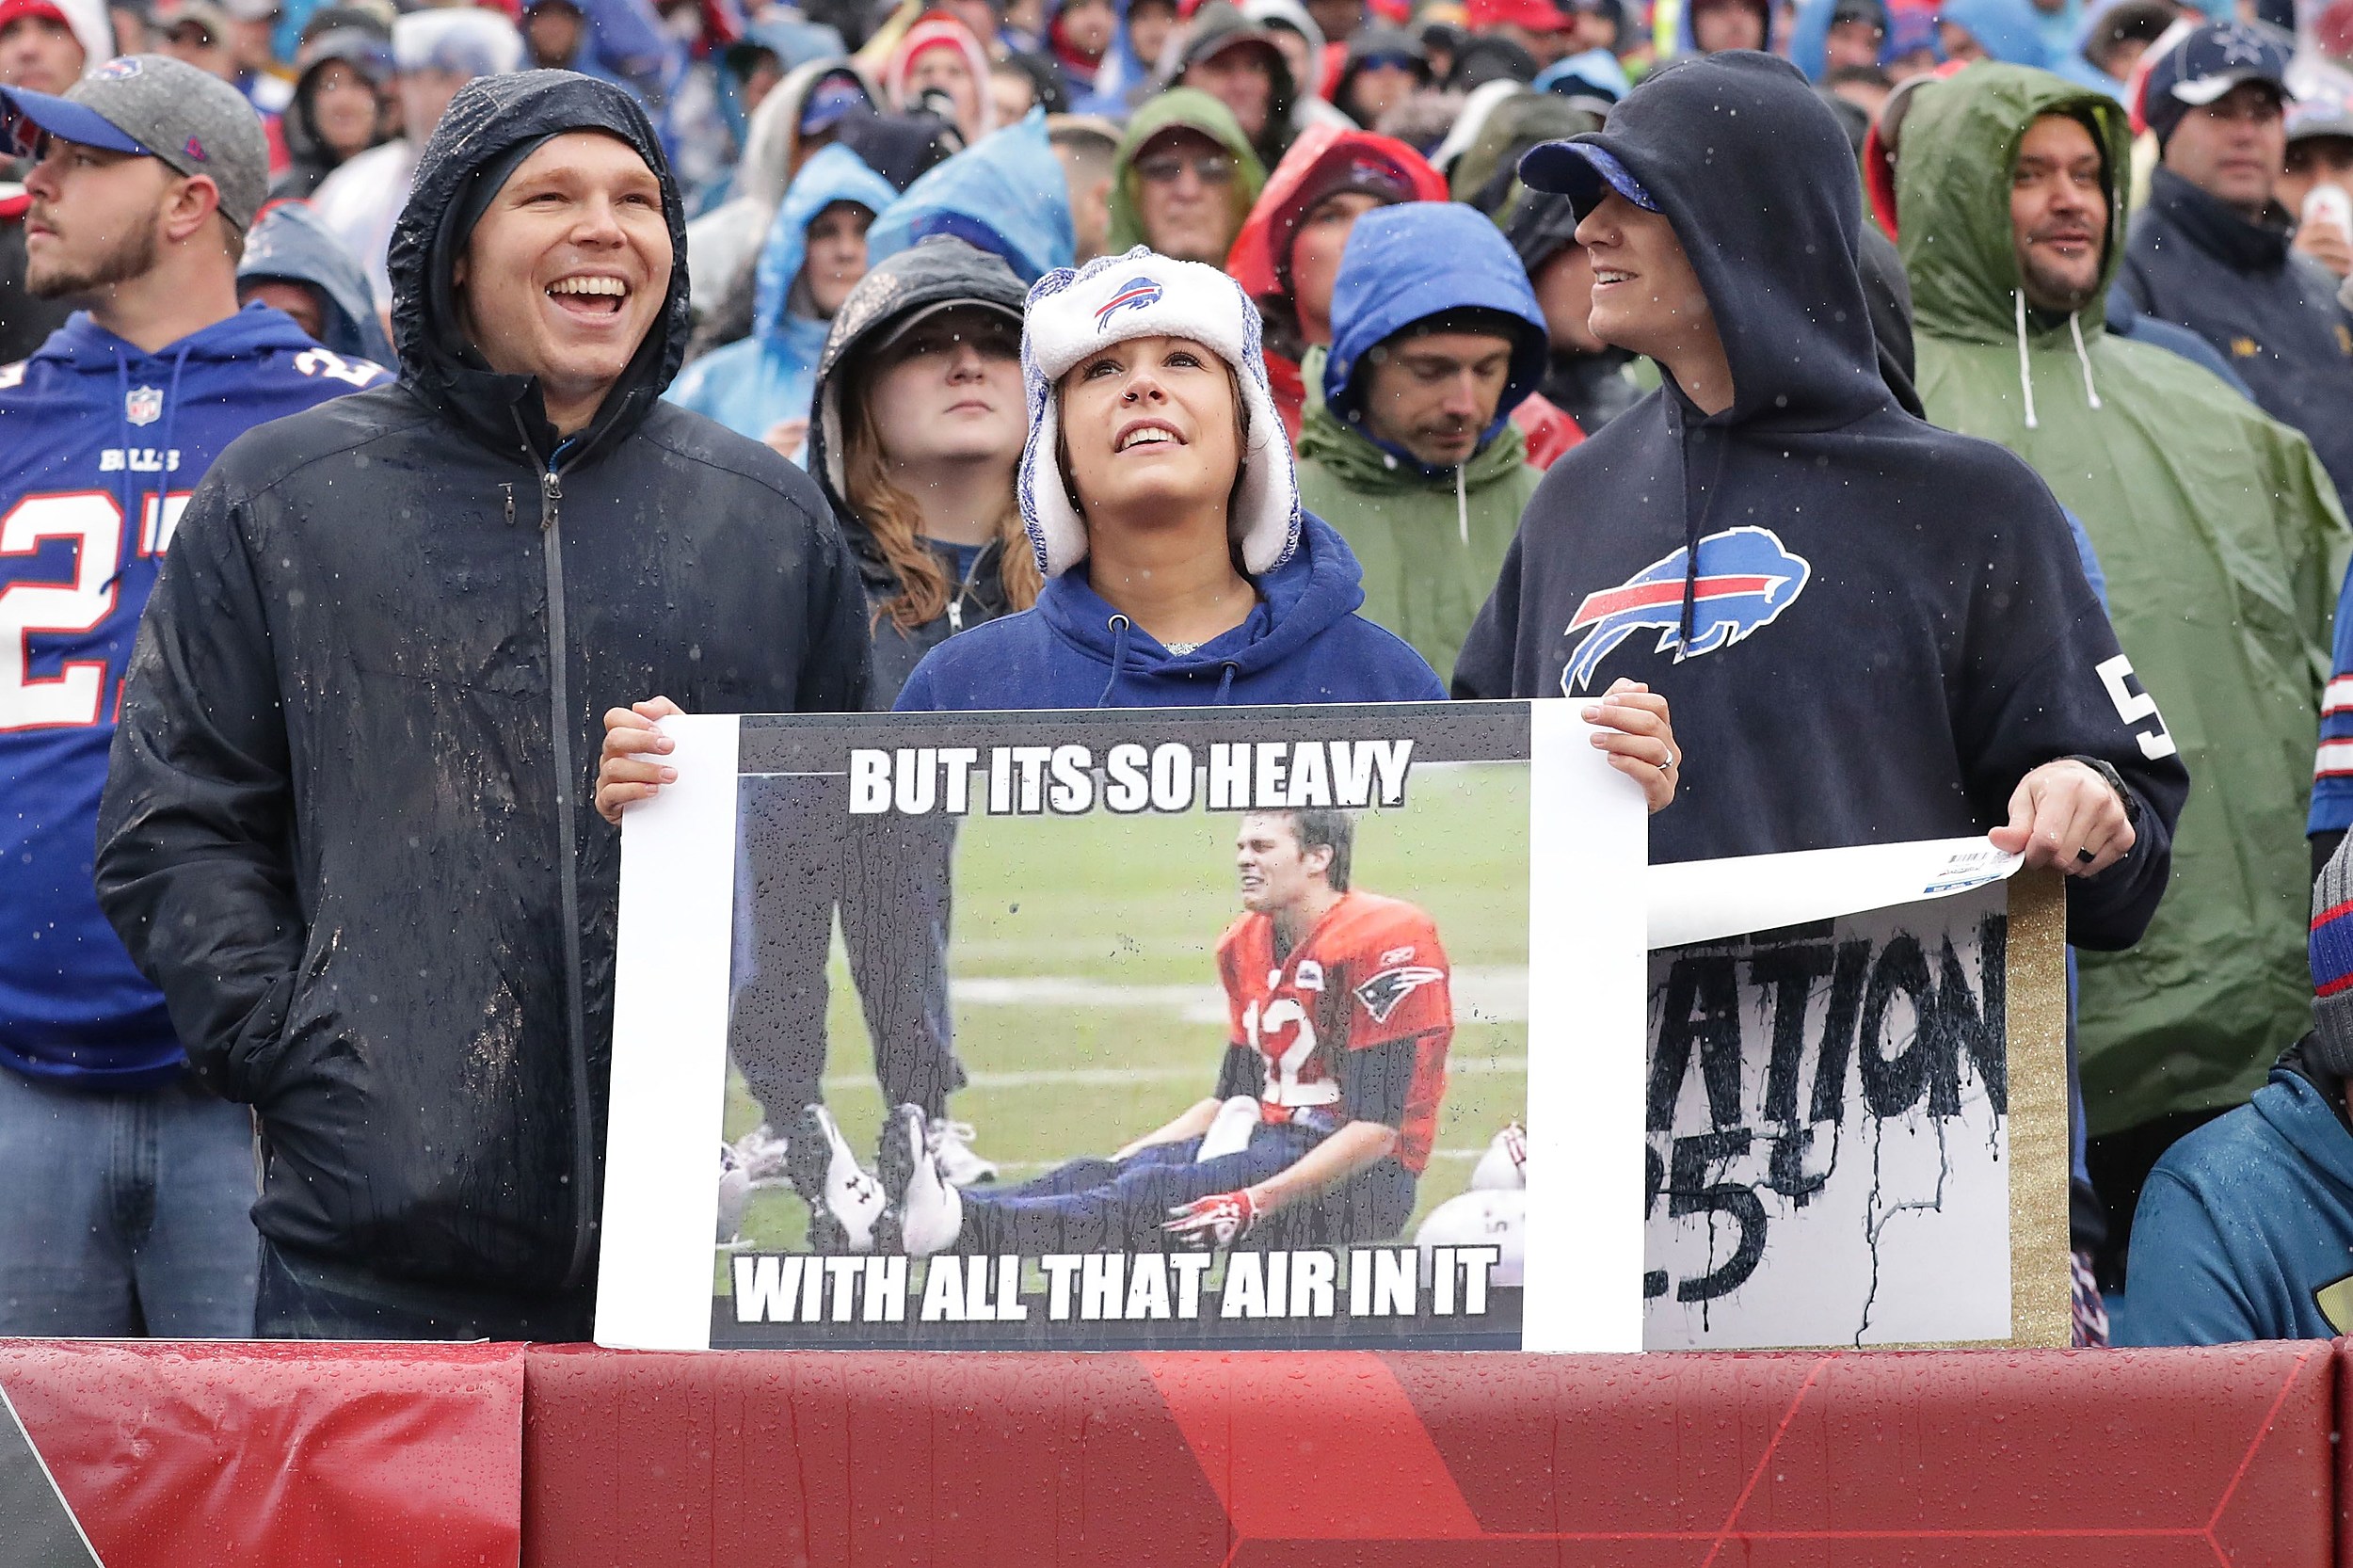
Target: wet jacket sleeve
x,y
194,830
2071,693
1484,667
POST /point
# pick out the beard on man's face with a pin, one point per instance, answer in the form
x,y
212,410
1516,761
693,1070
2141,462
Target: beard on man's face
x,y
128,255
2050,288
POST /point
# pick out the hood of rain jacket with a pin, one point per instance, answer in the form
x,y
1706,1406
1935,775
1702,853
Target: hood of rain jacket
x,y
2192,499
291,243
1303,642
751,384
2009,30
1006,195
1184,108
347,827
723,241
1907,602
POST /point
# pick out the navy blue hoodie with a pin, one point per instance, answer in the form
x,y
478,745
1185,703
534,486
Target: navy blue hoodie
x,y
1888,626
1303,642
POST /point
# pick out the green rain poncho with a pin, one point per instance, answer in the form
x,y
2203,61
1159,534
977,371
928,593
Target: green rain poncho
x,y
2223,545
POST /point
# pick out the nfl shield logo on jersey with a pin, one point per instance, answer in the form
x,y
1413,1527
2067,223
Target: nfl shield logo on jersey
x,y
143,405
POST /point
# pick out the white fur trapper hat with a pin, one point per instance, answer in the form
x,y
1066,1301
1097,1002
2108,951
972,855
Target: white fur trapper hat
x,y
1144,294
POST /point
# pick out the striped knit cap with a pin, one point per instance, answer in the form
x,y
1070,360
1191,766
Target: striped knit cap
x,y
2332,964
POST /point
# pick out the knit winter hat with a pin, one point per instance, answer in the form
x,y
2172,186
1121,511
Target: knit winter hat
x,y
2332,950
1143,295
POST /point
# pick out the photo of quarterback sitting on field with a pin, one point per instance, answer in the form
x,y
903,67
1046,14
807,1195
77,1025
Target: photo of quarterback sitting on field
x,y
1325,1105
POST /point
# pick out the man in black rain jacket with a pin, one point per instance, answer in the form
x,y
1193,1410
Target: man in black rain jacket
x,y
348,828
1868,629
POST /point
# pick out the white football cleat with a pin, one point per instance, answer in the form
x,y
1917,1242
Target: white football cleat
x,y
1504,1167
950,1146
761,1153
844,1201
926,1212
1230,1130
735,1191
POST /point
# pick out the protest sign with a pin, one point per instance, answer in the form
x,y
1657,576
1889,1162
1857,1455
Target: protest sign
x,y
1857,1120
1241,1003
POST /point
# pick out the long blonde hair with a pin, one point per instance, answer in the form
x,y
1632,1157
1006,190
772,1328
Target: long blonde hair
x,y
894,520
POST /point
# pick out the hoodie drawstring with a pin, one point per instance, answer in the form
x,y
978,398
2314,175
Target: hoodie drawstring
x,y
128,493
2074,325
1118,625
2025,376
1225,681
1462,507
122,425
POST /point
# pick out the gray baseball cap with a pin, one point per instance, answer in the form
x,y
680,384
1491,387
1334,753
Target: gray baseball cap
x,y
189,119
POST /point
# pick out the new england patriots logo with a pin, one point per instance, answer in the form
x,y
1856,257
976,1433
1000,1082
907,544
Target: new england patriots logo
x,y
1747,578
1137,293
1382,992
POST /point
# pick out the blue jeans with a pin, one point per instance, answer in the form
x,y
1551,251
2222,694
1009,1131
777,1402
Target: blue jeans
x,y
1120,1205
126,1212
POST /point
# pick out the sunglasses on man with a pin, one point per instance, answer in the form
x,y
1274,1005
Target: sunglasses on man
x,y
1166,169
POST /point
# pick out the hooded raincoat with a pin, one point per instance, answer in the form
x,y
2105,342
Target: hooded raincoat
x,y
1429,542
2223,548
291,244
750,385
722,242
1180,109
1869,629
1007,196
347,827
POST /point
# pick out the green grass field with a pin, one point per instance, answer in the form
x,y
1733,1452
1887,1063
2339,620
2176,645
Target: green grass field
x,y
1113,902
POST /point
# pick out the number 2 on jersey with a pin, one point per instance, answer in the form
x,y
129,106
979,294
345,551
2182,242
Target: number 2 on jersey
x,y
1282,1061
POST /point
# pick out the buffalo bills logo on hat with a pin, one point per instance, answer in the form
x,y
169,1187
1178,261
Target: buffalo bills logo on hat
x,y
117,69
143,405
1746,580
1137,293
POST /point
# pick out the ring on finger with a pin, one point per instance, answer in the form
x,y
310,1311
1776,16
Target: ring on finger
x,y
2085,854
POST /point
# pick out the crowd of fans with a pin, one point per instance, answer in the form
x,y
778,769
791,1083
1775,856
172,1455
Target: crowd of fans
x,y
1893,421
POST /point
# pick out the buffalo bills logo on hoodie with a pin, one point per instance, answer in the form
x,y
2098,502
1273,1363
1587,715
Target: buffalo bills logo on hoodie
x,y
1137,293
1746,579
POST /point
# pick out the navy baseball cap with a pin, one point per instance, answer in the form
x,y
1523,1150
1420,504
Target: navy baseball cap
x,y
2209,62
1579,170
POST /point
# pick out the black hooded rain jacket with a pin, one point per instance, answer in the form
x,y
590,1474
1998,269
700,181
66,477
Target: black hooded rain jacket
x,y
1886,625
348,827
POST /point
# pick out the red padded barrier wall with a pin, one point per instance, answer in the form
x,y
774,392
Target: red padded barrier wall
x,y
1299,1461
188,1455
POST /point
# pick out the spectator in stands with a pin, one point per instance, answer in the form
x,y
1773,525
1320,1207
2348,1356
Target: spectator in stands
x,y
919,426
416,597
2245,1230
1585,377
1079,36
1019,83
130,1181
2320,153
45,45
1384,67
1537,26
1837,35
292,264
803,114
1089,150
2213,252
1410,453
342,104
2011,187
1161,498
1712,27
2110,39
436,52
1128,72
1289,251
1186,177
815,254
940,65
1236,62
198,33
1915,700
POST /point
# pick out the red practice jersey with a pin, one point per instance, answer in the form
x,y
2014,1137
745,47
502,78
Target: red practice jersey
x,y
1370,974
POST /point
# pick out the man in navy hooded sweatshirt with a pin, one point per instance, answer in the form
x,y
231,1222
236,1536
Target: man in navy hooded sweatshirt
x,y
1869,630
148,172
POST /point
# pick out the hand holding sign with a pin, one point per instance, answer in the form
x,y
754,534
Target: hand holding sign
x,y
2066,816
